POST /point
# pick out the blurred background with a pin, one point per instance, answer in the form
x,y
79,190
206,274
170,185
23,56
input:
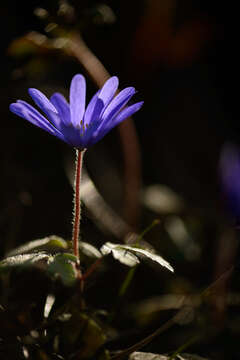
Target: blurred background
x,y
181,57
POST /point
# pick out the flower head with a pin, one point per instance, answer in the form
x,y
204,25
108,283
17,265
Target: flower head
x,y
71,122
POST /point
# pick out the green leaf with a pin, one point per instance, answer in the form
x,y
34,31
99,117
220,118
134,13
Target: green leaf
x,y
149,356
39,259
120,254
21,47
82,332
89,250
63,266
129,255
50,244
104,355
146,356
189,357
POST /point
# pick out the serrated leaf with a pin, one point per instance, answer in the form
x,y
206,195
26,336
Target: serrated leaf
x,y
50,244
123,252
125,257
63,266
23,260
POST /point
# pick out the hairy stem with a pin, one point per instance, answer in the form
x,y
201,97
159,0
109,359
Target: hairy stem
x,y
77,203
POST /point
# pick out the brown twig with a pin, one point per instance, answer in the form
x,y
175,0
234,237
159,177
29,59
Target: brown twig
x,y
179,316
148,339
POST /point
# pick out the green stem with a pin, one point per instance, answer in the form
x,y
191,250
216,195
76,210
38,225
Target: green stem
x,y
154,223
127,281
184,346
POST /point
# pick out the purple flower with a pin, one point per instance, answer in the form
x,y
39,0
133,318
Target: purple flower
x,y
230,178
71,122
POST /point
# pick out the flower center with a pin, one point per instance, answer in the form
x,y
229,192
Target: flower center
x,y
83,128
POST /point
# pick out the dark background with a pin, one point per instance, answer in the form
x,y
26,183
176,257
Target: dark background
x,y
182,58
